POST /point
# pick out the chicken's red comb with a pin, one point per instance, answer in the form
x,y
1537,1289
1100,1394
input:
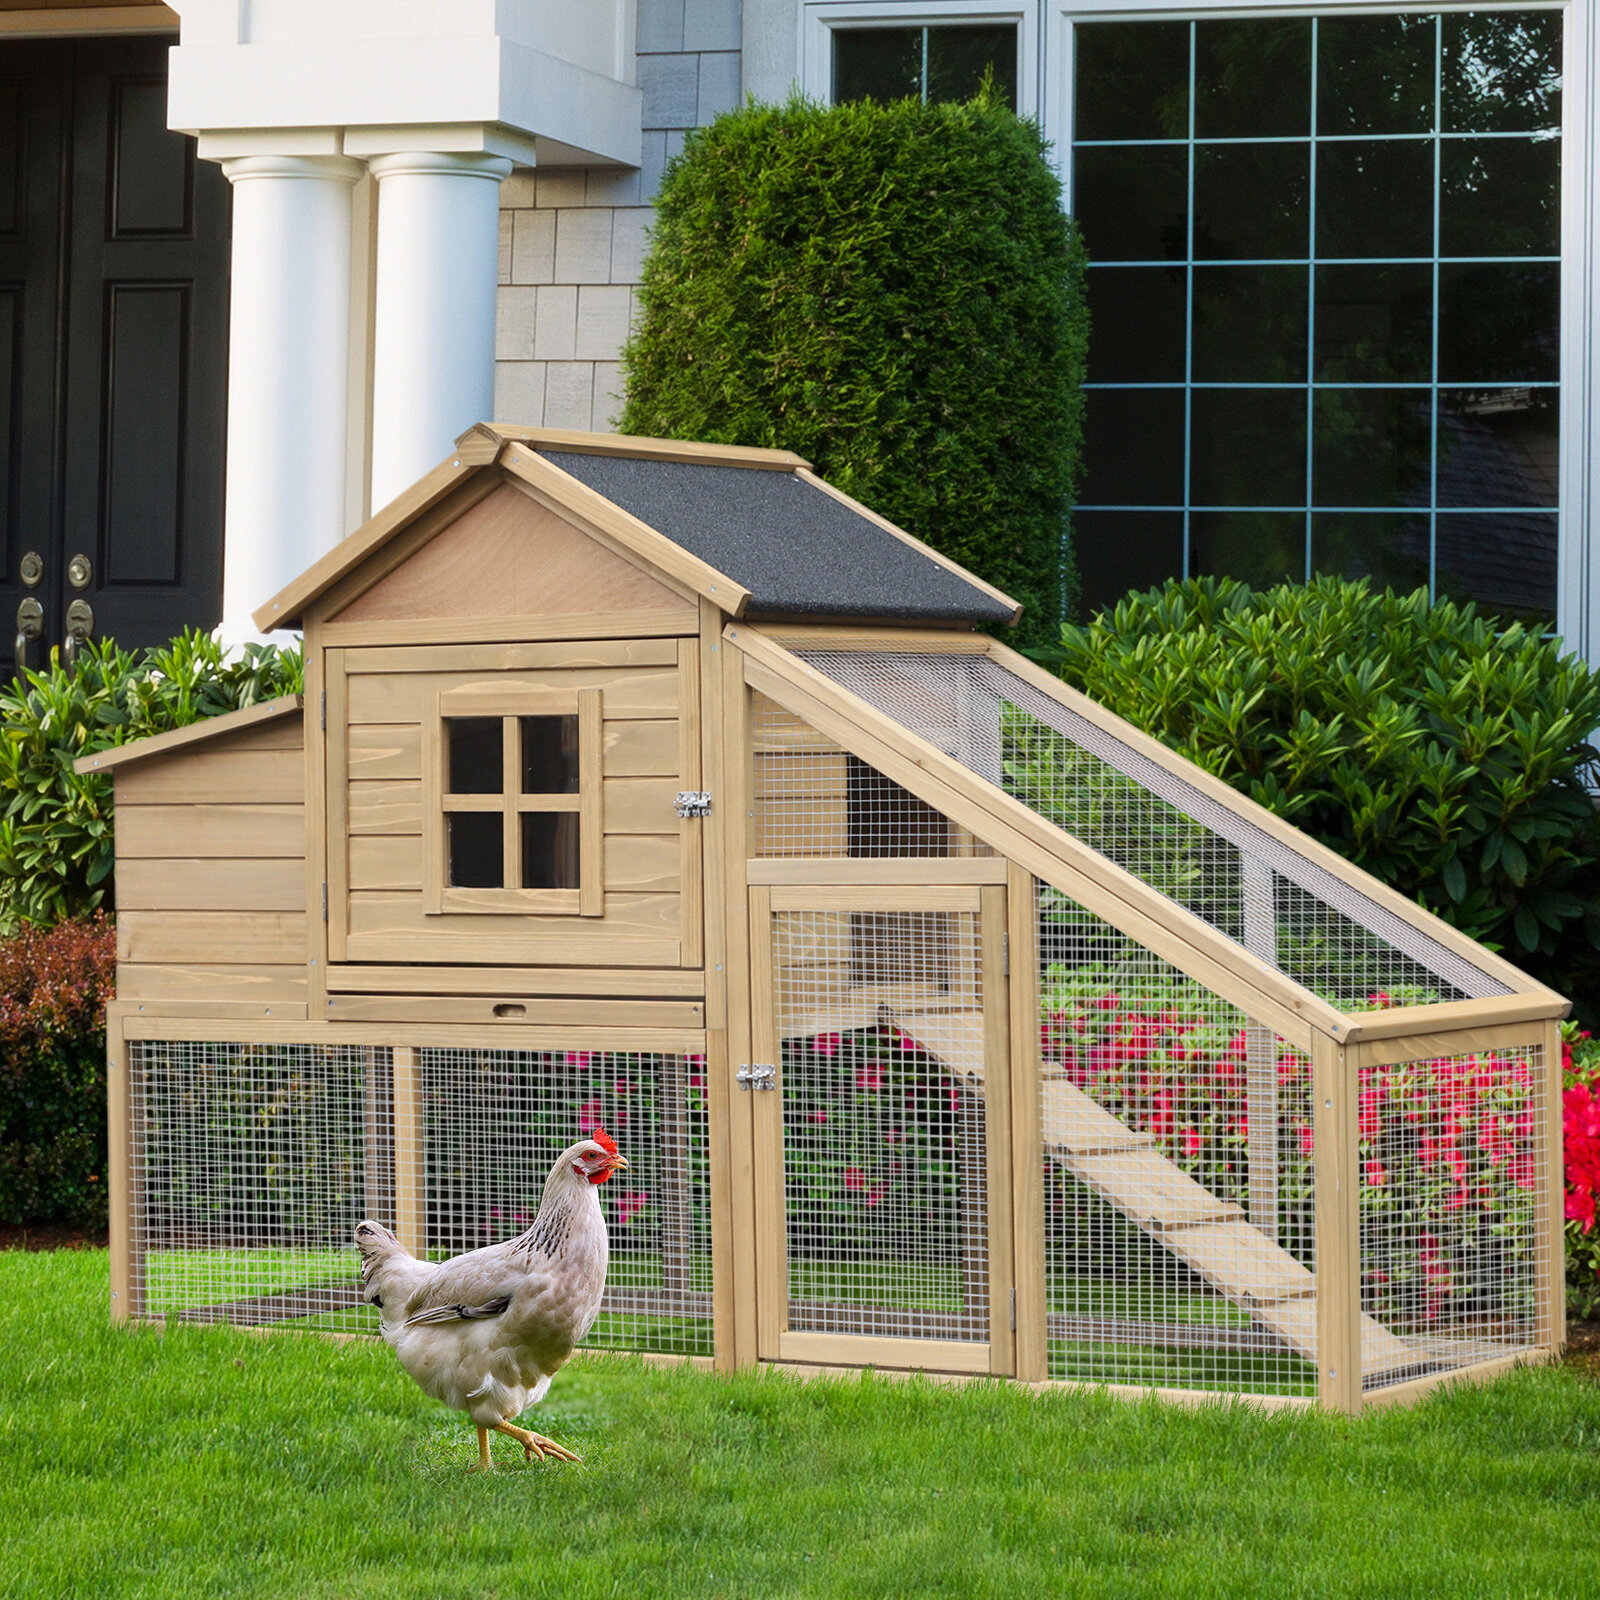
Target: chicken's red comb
x,y
605,1141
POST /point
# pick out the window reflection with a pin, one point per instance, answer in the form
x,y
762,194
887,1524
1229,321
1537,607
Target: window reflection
x,y
1393,242
937,63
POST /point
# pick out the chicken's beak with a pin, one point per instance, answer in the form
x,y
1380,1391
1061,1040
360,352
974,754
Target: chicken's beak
x,y
616,1163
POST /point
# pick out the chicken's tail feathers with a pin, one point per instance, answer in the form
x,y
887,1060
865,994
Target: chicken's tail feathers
x,y
377,1245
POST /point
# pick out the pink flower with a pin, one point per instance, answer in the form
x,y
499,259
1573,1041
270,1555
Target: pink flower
x,y
629,1204
1377,1174
1369,1113
1308,1142
827,1044
869,1077
818,1117
893,1137
1190,1142
876,1193
590,1115
623,1086
855,1180
580,1059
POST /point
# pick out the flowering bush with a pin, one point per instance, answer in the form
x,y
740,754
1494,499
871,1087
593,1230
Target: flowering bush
x,y
1446,1145
54,985
1580,1109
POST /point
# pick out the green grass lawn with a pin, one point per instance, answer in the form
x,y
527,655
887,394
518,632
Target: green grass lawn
x,y
200,1461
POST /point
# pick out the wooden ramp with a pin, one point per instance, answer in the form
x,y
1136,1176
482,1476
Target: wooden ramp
x,y
1212,1237
1127,1169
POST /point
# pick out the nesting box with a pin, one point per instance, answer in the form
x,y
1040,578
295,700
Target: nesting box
x,y
948,1022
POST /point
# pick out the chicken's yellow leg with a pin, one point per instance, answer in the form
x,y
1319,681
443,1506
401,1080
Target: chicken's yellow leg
x,y
485,1461
535,1445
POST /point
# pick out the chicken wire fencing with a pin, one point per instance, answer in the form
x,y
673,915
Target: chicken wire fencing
x,y
1282,906
1453,1162
813,798
1179,1199
880,1017
250,1166
495,1120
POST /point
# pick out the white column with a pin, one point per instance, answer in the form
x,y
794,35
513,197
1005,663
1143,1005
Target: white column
x,y
433,335
288,377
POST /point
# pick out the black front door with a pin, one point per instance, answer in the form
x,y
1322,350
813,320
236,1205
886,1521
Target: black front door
x,y
113,351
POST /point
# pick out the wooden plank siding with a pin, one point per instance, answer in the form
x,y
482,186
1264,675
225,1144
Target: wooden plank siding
x,y
390,696
211,870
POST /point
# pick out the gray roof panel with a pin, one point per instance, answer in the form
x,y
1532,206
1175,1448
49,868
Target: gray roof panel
x,y
799,551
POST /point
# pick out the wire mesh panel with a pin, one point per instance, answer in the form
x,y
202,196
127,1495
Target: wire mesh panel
x,y
1452,1168
814,798
1179,1201
495,1120
1207,857
880,1018
251,1165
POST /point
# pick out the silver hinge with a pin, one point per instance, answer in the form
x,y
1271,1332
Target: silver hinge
x,y
324,901
1013,1310
324,711
760,1076
1005,954
694,803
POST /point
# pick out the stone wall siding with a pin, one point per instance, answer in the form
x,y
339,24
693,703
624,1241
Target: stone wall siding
x,y
572,238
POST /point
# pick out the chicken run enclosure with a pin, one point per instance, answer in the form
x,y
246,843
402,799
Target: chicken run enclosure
x,y
947,1022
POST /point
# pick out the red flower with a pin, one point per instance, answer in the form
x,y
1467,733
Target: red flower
x,y
827,1044
629,1204
580,1059
869,1078
818,1116
590,1115
1377,1174
855,1179
1369,1114
1307,1141
1190,1142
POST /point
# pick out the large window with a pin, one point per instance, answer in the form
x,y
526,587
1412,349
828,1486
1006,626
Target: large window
x,y
1325,300
927,62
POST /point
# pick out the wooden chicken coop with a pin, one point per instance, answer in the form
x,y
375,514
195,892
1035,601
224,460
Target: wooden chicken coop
x,y
948,1022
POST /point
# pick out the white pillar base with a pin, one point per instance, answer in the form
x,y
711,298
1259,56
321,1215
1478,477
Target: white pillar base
x,y
433,336
288,377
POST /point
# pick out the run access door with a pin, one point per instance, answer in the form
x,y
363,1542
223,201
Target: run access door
x,y
880,1100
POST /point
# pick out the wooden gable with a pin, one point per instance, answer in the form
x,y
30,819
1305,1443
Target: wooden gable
x,y
511,556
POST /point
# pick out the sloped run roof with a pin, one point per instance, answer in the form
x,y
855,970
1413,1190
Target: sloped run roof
x,y
763,535
799,549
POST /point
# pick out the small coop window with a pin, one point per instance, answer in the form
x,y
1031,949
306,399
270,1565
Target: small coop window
x,y
514,804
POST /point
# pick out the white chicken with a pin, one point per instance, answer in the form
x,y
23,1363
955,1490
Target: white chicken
x,y
485,1332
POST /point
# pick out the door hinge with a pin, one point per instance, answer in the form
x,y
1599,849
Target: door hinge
x,y
760,1076
1005,954
1013,1310
324,711
693,803
324,901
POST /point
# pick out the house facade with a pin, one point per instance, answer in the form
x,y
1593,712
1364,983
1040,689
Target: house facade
x,y
1342,270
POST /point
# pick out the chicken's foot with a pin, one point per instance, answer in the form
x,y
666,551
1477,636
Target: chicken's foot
x,y
535,1445
485,1460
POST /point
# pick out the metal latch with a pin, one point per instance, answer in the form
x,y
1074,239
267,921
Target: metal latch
x,y
760,1076
694,803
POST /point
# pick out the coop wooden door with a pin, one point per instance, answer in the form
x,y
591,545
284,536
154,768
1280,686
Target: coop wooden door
x,y
513,804
883,1191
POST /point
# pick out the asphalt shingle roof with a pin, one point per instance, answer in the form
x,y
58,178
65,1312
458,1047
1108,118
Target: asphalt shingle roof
x,y
798,550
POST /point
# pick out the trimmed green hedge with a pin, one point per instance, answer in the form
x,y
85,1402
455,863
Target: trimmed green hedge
x,y
1444,754
54,985
894,292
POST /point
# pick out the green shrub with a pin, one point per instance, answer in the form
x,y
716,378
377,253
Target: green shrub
x,y
1445,756
54,984
55,830
894,292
